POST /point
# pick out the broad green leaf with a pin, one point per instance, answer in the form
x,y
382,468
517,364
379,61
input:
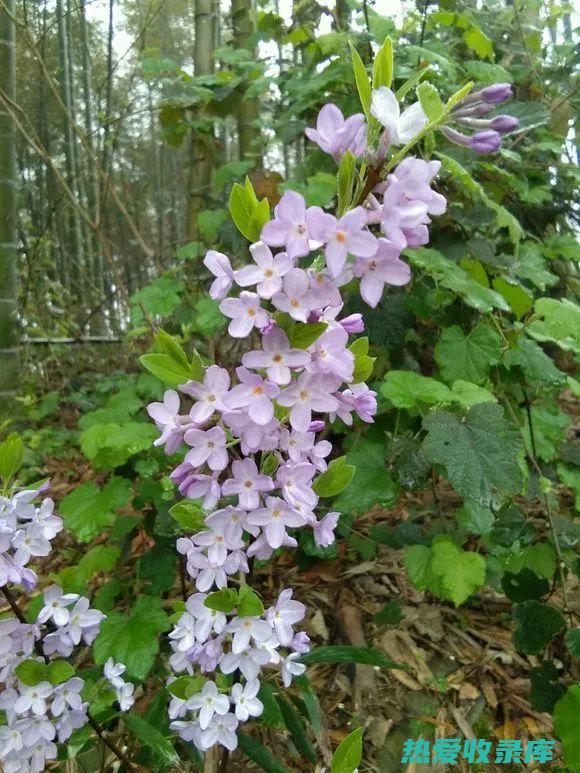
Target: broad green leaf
x,y
242,205
540,558
111,445
430,101
11,456
58,671
537,624
189,515
524,586
260,216
478,41
250,603
362,82
467,357
480,452
207,318
302,335
342,653
468,394
371,485
417,561
132,638
185,686
360,346
474,518
151,737
546,687
87,510
348,755
406,389
31,672
164,367
363,368
158,299
567,727
519,300
559,321
346,174
460,572
335,479
260,755
223,600
535,364
383,66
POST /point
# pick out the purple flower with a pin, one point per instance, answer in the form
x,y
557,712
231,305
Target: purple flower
x,y
277,357
247,483
485,142
296,298
219,265
324,530
217,544
208,702
267,273
249,661
295,480
246,629
288,228
245,312
495,94
385,268
56,606
354,323
310,392
330,355
207,446
335,136
209,395
291,667
348,234
504,123
274,518
167,419
254,393
194,485
360,399
284,615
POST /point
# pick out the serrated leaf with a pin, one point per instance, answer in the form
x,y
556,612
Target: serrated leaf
x,y
348,755
406,389
340,653
460,572
546,687
371,484
467,357
474,518
479,453
335,479
88,510
537,624
417,561
567,727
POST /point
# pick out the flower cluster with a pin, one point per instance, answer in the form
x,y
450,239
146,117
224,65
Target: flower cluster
x,y
42,697
471,113
123,690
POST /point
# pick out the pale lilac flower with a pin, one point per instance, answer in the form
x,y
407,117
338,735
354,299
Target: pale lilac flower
x,y
83,620
400,128
206,620
245,313
244,698
348,234
166,417
30,542
329,353
262,550
246,629
209,395
301,446
220,267
325,293
217,544
277,357
247,483
354,323
274,518
221,730
208,702
195,485
113,672
35,729
67,696
44,515
291,667
267,273
285,614
69,722
56,606
125,695
310,392
288,227
414,177
10,741
205,572
335,135
255,394
231,521
207,446
385,268
300,642
324,530
58,642
296,297
359,398
249,661
295,480
33,698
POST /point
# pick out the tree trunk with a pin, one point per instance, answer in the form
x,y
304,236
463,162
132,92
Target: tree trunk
x,y
248,111
201,144
9,370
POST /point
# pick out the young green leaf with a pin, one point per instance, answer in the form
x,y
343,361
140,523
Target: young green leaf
x,y
223,600
336,478
151,737
430,101
302,335
31,672
260,755
346,174
189,515
348,755
362,82
360,346
58,671
185,686
11,456
250,603
567,727
383,66
168,345
166,368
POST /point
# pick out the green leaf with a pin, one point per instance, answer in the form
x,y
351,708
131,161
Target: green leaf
x,y
223,600
31,672
250,603
535,364
360,346
302,335
467,357
519,300
390,614
185,686
11,456
189,515
417,562
159,298
406,389
468,395
258,754
480,453
248,214
558,321
572,640
383,66
537,624
58,671
208,318
524,586
132,638
164,367
540,558
546,687
335,479
260,216
168,345
460,572
87,511
567,727
295,725
340,653
271,716
363,368
430,101
371,484
348,755
311,703
410,84
474,518
151,737
478,41
346,173
362,82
